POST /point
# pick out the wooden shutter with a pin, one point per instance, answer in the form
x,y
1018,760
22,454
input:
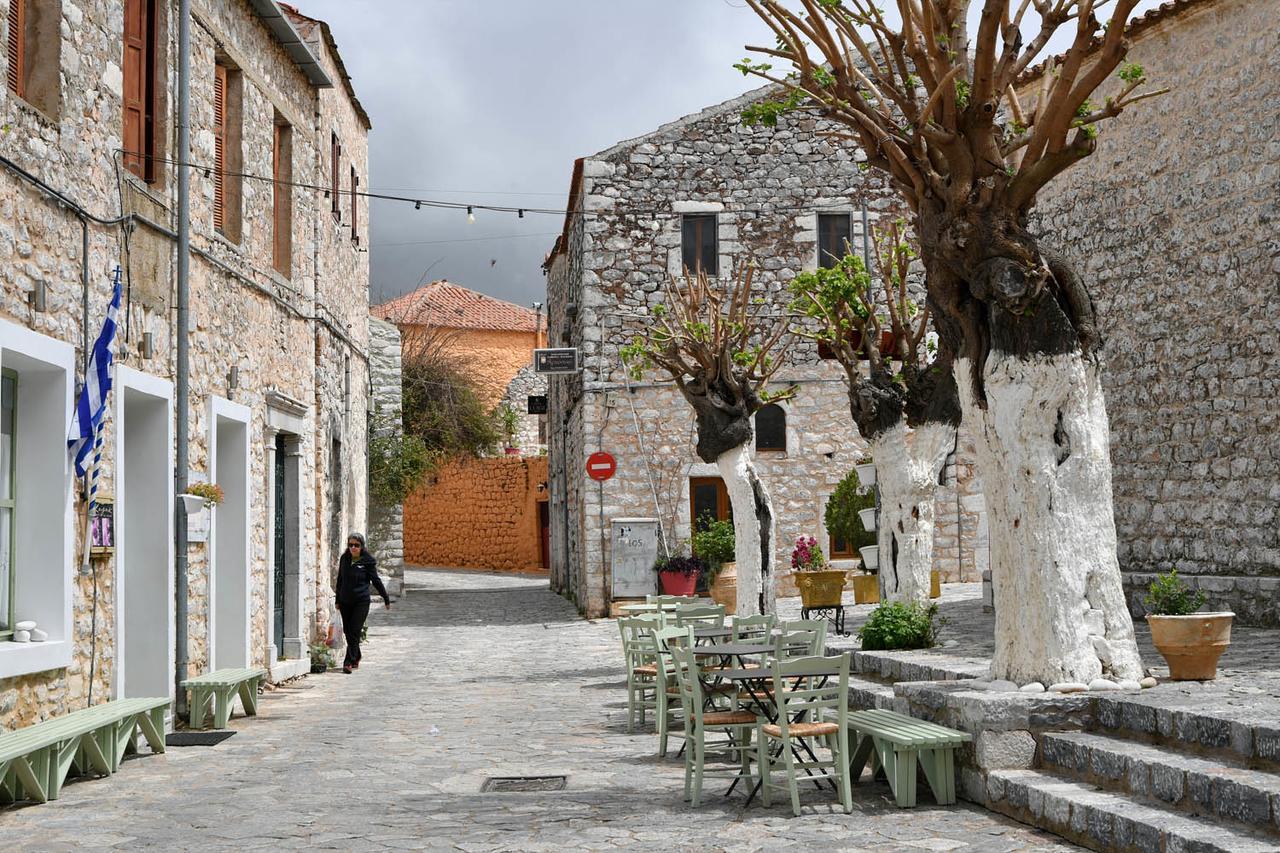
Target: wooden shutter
x,y
135,86
355,207
220,147
335,155
17,47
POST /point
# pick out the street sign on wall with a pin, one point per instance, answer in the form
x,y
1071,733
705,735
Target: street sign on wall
x,y
601,466
564,360
537,404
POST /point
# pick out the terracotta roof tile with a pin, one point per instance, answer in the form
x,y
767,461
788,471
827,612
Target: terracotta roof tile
x,y
443,303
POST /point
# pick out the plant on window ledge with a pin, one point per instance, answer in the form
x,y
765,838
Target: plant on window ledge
x,y
211,493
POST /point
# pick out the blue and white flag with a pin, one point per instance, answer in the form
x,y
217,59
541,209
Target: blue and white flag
x,y
86,426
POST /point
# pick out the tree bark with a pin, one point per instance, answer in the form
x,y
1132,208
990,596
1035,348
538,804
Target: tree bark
x,y
1043,447
908,463
753,529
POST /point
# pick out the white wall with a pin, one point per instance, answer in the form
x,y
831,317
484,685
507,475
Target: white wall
x,y
229,543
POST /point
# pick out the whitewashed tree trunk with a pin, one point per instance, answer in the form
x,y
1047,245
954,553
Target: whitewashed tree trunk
x,y
908,462
753,530
1043,446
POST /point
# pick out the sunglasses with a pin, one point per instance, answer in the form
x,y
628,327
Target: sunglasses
x,y
353,544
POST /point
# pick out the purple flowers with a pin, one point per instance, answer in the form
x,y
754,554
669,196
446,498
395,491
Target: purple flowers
x,y
806,556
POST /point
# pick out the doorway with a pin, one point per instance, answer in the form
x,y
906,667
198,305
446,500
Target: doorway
x,y
708,500
544,534
144,554
279,551
229,547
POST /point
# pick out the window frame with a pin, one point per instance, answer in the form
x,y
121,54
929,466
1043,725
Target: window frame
x,y
335,180
11,503
693,241
771,448
355,206
825,259
282,197
142,162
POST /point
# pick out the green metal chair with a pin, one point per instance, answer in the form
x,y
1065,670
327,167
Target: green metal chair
x,y
813,709
641,662
735,725
819,625
751,627
669,599
668,698
798,644
698,615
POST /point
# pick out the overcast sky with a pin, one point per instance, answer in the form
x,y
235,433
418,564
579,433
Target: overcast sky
x,y
490,103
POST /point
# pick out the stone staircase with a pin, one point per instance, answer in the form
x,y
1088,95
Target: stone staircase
x,y
1146,779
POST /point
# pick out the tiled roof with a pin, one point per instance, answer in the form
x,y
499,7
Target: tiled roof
x,y
445,304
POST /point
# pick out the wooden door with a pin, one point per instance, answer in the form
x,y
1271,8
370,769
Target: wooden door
x,y
544,534
708,498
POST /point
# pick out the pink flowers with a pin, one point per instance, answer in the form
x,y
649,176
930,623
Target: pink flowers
x,y
806,556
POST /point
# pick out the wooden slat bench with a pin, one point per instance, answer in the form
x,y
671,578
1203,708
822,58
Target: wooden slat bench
x,y
222,686
896,743
36,761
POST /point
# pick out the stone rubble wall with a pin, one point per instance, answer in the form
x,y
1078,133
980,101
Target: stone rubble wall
x,y
1172,224
386,523
524,384
478,514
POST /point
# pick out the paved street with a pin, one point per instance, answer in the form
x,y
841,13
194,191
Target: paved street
x,y
474,675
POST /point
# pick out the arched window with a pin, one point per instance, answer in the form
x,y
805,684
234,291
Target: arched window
x,y
771,428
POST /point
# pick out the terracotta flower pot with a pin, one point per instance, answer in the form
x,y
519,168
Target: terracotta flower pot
x,y
935,584
677,583
821,589
724,589
1191,644
866,589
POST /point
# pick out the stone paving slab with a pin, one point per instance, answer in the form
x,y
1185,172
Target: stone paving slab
x,y
470,675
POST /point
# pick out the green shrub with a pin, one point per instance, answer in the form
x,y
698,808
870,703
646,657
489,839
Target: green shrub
x,y
321,654
841,514
713,541
1169,595
901,626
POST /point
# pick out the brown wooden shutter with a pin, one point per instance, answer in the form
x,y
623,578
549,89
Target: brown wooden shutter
x,y
220,146
336,184
135,86
17,47
355,207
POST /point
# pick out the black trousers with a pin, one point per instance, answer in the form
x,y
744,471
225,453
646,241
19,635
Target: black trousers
x,y
353,616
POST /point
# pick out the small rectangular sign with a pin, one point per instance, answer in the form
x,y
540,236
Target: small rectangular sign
x,y
537,404
563,360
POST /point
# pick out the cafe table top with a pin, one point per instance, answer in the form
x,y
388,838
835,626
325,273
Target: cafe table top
x,y
734,649
766,672
652,607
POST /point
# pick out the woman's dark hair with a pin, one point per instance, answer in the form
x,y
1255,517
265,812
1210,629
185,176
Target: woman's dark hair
x,y
364,549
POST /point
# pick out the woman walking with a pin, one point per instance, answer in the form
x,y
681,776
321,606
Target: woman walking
x,y
356,570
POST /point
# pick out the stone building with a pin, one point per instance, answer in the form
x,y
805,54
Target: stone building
x,y
279,381
706,189
1173,223
386,523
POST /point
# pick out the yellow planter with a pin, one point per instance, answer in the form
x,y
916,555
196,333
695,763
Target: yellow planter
x,y
866,589
724,589
935,584
821,589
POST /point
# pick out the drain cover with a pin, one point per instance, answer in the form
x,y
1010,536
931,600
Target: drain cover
x,y
196,738
522,784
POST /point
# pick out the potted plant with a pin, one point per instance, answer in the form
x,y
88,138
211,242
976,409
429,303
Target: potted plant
x,y
321,657
850,518
678,574
866,471
201,495
509,419
1190,642
714,544
819,585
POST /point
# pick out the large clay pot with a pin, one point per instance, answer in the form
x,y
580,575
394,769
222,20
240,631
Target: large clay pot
x,y
935,584
724,589
1191,644
821,589
677,583
866,589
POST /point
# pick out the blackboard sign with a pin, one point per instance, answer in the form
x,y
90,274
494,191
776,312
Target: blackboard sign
x,y
556,360
537,404
102,527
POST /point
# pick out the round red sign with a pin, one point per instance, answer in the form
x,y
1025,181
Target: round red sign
x,y
601,466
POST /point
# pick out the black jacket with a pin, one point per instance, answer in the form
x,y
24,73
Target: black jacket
x,y
354,579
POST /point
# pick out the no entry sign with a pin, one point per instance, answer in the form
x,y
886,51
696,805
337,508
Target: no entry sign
x,y
601,466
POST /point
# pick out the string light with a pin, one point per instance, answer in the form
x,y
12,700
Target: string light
x,y
471,216
417,205
520,213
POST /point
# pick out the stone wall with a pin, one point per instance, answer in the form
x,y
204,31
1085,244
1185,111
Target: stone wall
x,y
478,514
531,437
386,523
290,342
1172,223
621,241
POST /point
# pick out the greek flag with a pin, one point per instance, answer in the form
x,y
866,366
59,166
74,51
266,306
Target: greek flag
x,y
86,427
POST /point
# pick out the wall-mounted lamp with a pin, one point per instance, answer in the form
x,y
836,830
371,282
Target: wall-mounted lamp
x,y
233,377
38,298
148,344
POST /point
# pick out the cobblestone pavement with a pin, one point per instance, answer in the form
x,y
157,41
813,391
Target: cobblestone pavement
x,y
474,676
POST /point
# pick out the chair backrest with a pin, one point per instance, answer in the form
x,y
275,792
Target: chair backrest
x,y
669,599
798,644
637,648
804,688
702,615
751,627
819,625
663,641
687,674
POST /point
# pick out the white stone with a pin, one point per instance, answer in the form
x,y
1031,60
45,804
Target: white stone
x,y
1005,750
1130,684
1033,687
38,636
22,636
1103,684
24,625
950,644
1002,686
1051,520
1148,682
1102,648
1068,687
113,79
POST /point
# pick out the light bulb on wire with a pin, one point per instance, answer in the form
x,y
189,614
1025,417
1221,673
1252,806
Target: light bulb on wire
x,y
471,216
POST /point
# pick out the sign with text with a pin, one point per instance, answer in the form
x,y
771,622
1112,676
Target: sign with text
x,y
537,404
601,466
563,360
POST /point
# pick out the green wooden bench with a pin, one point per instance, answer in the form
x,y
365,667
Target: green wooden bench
x,y
222,686
36,761
897,743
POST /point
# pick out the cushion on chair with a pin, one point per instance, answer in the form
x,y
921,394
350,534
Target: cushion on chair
x,y
646,669
725,718
802,729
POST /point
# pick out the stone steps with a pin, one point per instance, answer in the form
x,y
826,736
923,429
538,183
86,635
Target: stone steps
x,y
869,693
1111,820
1217,786
1212,725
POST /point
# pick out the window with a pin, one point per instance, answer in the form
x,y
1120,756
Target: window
x,y
355,207
708,501
140,88
34,53
8,506
335,188
771,428
698,243
227,151
282,199
834,235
